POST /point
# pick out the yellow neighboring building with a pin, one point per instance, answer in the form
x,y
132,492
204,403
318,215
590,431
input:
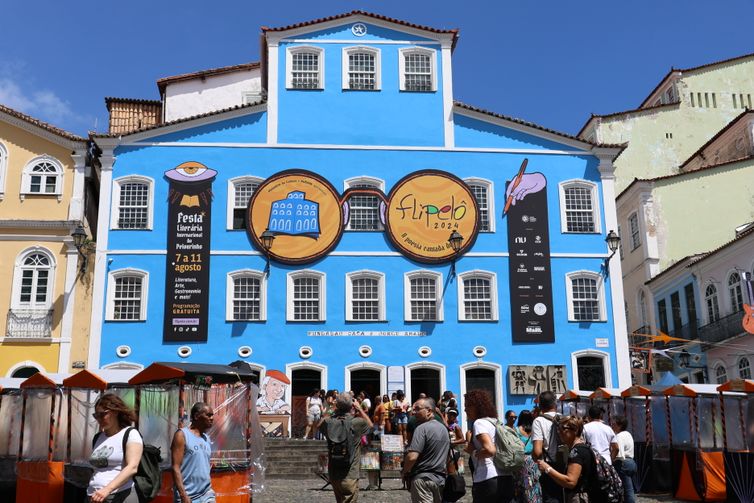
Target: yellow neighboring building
x,y
46,294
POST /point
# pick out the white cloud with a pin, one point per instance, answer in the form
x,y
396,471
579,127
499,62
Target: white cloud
x,y
42,104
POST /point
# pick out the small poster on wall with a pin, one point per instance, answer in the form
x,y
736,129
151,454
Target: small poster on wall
x,y
534,379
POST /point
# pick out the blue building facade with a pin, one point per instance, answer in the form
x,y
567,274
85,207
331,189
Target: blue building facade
x,y
358,103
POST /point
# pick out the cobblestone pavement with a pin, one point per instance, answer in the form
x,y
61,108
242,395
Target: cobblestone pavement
x,y
308,491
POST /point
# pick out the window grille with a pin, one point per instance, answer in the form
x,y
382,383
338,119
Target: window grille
x,y
242,195
579,209
133,207
43,178
586,304
744,370
721,376
306,299
481,194
633,225
477,299
127,298
361,71
736,293
423,299
247,300
365,299
305,67
418,72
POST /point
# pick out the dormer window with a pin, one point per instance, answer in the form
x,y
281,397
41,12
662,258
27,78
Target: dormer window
x,y
305,68
361,69
417,70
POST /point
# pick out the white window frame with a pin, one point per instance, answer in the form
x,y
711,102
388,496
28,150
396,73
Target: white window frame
x,y
410,367
595,353
437,277
3,169
26,177
380,277
232,183
290,51
402,53
594,194
230,289
489,186
18,276
382,369
600,294
110,303
489,276
499,383
714,374
376,183
115,213
348,51
289,309
740,287
634,243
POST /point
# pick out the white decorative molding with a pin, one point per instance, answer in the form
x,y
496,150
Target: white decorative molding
x,y
290,367
376,53
499,383
606,366
382,369
424,365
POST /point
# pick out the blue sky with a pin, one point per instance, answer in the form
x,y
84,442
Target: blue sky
x,y
549,62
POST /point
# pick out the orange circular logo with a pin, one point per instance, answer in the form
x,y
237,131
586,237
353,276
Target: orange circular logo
x,y
302,210
424,208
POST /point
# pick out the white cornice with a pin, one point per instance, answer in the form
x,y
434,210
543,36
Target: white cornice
x,y
42,132
38,224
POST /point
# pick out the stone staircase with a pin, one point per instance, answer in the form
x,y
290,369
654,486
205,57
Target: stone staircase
x,y
292,458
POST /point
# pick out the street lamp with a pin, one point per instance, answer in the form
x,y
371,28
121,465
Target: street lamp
x,y
455,241
613,243
79,238
267,238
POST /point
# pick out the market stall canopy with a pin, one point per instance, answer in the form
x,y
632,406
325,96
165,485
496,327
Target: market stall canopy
x,y
742,385
167,371
691,390
637,391
40,380
605,393
575,394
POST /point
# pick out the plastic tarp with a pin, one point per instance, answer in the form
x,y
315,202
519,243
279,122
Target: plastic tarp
x,y
636,414
739,476
158,418
681,422
660,434
699,476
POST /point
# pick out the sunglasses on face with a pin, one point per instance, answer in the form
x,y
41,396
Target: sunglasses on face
x,y
100,415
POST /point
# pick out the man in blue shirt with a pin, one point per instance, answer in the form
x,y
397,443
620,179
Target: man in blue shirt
x,y
191,450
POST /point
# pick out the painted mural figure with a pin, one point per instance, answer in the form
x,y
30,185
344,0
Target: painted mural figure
x,y
557,379
272,392
295,215
519,380
538,377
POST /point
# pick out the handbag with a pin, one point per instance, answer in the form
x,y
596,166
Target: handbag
x,y
455,485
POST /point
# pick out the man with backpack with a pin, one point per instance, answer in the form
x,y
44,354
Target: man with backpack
x,y
191,450
548,446
427,456
343,431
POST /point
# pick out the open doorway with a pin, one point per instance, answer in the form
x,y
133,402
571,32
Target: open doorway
x,y
303,382
484,379
591,372
425,380
369,381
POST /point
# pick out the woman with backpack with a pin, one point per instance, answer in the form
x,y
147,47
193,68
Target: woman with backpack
x,y
112,480
489,485
577,478
528,489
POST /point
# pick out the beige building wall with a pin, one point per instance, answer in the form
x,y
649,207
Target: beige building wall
x,y
42,222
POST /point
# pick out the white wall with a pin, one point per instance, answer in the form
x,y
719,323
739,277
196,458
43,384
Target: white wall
x,y
201,95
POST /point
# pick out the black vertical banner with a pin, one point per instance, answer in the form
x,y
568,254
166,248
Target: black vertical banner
x,y
529,265
187,262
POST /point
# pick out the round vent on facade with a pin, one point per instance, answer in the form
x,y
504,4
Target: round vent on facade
x,y
305,352
123,351
184,351
365,351
425,351
479,351
244,351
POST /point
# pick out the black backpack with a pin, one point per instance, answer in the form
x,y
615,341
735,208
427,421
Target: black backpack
x,y
148,478
557,451
339,433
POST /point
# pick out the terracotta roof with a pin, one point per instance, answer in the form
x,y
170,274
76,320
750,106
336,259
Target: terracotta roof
x,y
685,261
111,99
41,124
659,85
626,112
707,255
161,83
533,125
453,32
717,135
684,173
93,134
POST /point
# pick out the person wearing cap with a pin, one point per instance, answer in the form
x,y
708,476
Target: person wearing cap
x,y
454,429
272,392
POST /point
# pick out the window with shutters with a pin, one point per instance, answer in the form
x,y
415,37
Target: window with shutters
x,y
482,190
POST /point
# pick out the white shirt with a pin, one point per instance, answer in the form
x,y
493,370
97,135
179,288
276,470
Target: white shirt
x,y
484,468
625,445
107,460
541,428
600,436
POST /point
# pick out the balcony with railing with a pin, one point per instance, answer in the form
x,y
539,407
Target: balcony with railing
x,y
29,324
722,329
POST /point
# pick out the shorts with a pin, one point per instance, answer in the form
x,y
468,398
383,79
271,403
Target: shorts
x,y
401,418
208,497
313,418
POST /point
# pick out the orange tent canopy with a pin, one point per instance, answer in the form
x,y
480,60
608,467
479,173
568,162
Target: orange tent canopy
x,y
636,391
85,379
155,373
605,393
38,381
574,394
743,385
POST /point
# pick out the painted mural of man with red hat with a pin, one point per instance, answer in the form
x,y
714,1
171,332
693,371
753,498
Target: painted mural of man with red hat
x,y
272,392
